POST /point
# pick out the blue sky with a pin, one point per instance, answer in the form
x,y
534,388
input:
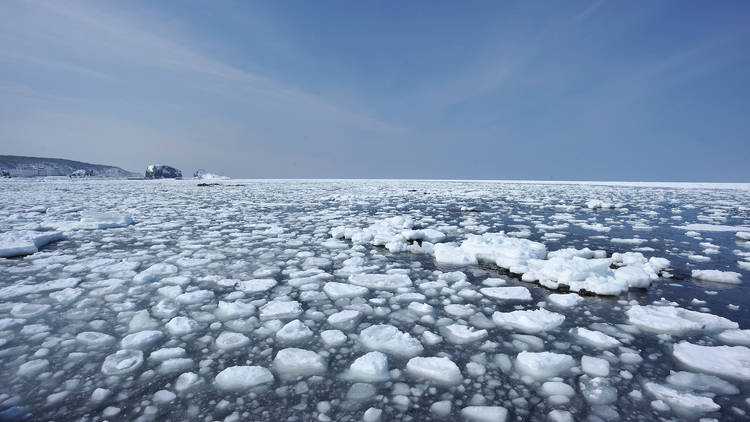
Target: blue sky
x,y
557,90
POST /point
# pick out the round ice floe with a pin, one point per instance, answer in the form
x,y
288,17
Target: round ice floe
x,y
462,334
675,320
564,300
345,320
256,285
195,297
543,365
531,321
381,281
28,310
241,378
175,365
515,293
278,309
594,338
142,340
439,370
294,331
389,339
336,290
372,367
556,388
484,413
231,341
293,362
141,321
166,353
232,310
33,367
725,361
187,381
179,326
122,362
94,339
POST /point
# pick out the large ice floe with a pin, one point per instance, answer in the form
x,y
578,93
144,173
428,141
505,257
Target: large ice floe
x,y
373,301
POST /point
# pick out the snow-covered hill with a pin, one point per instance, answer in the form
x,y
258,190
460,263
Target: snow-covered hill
x,y
20,166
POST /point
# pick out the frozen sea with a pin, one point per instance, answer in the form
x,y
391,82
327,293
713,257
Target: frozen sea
x,y
373,300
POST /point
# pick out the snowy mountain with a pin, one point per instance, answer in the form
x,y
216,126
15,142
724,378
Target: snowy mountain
x,y
20,166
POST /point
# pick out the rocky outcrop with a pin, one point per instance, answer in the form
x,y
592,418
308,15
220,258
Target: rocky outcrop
x,y
157,171
20,166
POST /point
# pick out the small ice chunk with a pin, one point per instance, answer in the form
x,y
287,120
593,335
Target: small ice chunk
x,y
333,338
336,290
596,367
228,341
439,370
595,338
717,276
195,297
242,378
256,285
371,367
279,309
122,362
517,293
389,339
179,326
227,311
294,331
556,388
529,321
381,281
142,340
462,334
293,362
543,365
484,413
345,320
565,300
682,403
95,340
164,397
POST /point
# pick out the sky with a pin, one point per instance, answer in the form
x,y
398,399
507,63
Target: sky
x,y
552,90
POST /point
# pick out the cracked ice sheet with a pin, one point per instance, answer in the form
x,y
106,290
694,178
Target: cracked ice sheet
x,y
221,293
